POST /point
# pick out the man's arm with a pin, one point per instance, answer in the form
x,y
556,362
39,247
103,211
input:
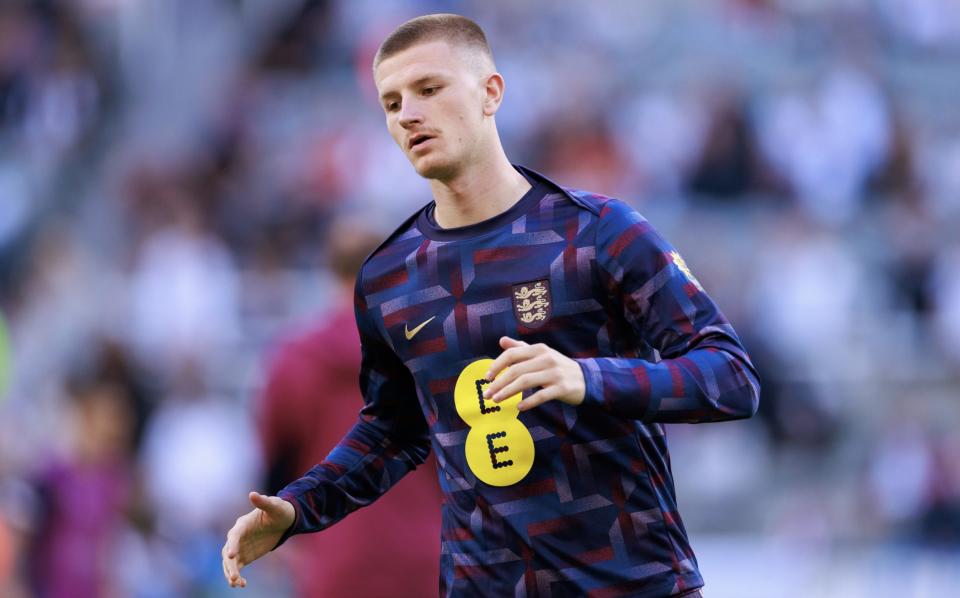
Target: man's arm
x,y
389,439
704,374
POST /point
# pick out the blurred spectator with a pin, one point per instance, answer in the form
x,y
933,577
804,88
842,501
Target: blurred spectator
x,y
49,91
728,165
660,132
295,46
941,523
185,291
928,23
114,365
807,293
828,140
913,251
898,175
585,151
310,402
65,300
946,296
900,475
84,495
7,556
199,460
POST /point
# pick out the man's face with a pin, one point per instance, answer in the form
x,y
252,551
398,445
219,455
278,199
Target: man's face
x,y
432,95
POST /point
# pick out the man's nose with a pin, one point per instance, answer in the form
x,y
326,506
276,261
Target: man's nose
x,y
410,114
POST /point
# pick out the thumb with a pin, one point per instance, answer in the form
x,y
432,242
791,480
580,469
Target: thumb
x,y
508,343
263,502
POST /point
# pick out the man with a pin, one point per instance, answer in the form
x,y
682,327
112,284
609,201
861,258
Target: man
x,y
536,338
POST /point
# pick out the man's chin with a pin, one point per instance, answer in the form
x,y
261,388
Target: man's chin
x,y
436,170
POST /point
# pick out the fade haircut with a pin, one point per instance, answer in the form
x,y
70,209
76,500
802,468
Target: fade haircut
x,y
453,29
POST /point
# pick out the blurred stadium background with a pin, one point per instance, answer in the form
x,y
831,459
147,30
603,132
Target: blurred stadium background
x,y
170,171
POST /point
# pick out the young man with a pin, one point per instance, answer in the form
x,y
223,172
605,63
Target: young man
x,y
536,338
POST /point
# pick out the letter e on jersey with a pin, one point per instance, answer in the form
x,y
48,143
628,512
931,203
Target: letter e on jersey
x,y
499,447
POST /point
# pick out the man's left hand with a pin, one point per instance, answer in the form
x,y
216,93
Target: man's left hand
x,y
559,377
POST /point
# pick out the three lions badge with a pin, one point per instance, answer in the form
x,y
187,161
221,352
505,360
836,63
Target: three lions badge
x,y
532,303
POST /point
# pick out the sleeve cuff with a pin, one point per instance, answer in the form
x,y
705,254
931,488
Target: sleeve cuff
x,y
593,383
618,386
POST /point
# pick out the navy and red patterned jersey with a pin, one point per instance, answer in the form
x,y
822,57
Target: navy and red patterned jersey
x,y
558,500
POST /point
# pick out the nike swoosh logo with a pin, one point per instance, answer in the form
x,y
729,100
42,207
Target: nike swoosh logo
x,y
409,333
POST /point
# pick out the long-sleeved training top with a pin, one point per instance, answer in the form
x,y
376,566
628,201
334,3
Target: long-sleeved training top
x,y
558,500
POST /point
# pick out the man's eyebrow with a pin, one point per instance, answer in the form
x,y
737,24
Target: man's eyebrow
x,y
415,83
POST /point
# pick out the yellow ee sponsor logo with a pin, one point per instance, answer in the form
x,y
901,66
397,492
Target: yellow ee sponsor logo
x,y
499,447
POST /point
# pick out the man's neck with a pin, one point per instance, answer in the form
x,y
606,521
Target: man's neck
x,y
479,193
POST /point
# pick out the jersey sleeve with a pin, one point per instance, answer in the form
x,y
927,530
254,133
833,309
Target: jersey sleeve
x,y
704,373
389,440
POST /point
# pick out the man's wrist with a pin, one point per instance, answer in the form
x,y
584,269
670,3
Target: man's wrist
x,y
592,381
292,529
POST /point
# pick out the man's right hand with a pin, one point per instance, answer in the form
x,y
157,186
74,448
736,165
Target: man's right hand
x,y
255,534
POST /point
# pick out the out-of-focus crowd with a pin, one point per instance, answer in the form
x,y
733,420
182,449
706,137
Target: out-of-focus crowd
x,y
170,172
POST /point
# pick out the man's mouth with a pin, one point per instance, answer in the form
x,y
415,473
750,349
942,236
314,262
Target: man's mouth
x,y
418,139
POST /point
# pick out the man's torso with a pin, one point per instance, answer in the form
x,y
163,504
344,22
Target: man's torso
x,y
558,500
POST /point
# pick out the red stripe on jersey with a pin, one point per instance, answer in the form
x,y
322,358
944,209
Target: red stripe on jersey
x,y
676,377
388,281
544,486
422,253
623,241
404,315
428,346
496,254
441,386
471,571
596,556
458,534
643,379
548,526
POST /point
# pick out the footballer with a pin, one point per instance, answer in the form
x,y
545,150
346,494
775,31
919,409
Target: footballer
x,y
534,337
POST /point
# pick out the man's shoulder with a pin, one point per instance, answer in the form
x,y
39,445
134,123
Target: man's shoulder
x,y
604,206
594,202
405,234
600,205
609,211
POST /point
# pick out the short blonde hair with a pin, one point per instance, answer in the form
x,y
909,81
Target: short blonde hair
x,y
454,29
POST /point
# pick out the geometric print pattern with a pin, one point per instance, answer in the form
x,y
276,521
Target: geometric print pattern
x,y
597,513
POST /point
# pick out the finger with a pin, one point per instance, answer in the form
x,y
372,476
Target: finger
x,y
524,382
508,343
230,550
508,358
505,359
232,575
258,500
233,568
509,375
231,546
231,571
538,398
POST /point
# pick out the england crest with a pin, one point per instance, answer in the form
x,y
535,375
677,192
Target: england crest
x,y
532,303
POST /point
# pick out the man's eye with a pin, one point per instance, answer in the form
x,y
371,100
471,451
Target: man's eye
x,y
429,91
392,106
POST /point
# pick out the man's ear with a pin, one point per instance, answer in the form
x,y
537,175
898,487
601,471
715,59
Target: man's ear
x,y
493,93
